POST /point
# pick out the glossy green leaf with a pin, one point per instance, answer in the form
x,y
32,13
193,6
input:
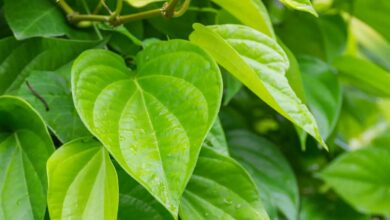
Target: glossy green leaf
x,y
250,12
301,5
323,208
269,169
220,189
364,74
260,64
135,202
153,120
323,92
362,178
141,3
83,183
25,146
216,139
43,18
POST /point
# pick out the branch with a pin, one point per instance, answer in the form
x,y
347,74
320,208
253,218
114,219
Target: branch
x,y
115,19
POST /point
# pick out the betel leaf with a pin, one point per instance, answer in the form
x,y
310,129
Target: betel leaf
x,y
216,139
135,202
359,180
25,146
364,74
141,3
153,120
301,5
60,115
324,37
220,189
45,64
319,207
269,169
323,92
43,54
83,183
43,18
250,12
260,64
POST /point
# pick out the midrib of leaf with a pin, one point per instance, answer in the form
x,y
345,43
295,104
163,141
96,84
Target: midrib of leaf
x,y
80,154
19,146
139,88
32,23
7,171
98,177
79,175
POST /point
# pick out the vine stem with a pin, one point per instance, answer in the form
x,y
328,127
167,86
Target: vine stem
x,y
115,19
37,95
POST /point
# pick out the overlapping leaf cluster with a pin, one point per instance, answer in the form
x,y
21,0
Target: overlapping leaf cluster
x,y
243,109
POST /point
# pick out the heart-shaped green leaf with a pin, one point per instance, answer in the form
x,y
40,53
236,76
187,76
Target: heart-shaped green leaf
x,y
25,146
153,120
220,189
83,183
260,64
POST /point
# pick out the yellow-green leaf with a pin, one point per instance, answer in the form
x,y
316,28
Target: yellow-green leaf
x,y
260,64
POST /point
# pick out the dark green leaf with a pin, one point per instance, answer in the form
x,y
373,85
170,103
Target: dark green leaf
x,y
322,208
270,170
135,202
60,115
40,18
362,178
21,58
323,93
220,189
25,146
